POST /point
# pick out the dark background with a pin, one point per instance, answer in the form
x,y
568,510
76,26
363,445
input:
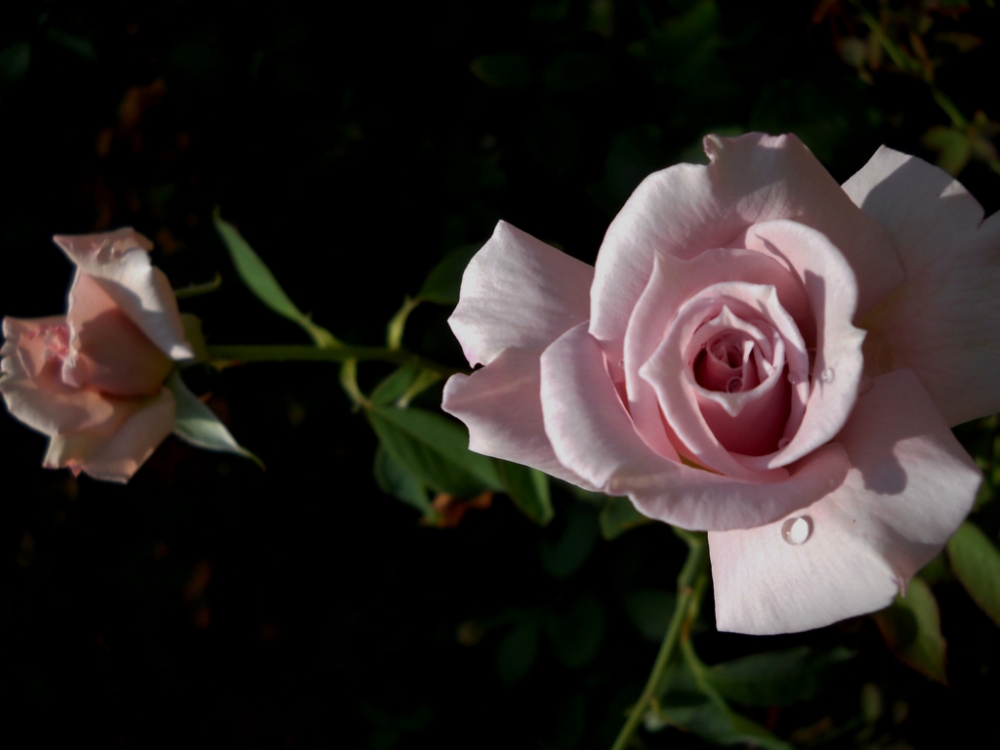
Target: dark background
x,y
209,604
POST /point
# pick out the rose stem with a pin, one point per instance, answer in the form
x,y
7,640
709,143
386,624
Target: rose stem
x,y
227,354
690,587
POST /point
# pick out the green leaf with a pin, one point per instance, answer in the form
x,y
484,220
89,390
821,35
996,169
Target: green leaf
x,y
689,702
505,70
576,633
395,385
975,561
911,627
198,425
517,652
444,282
434,450
400,387
563,556
259,279
650,611
775,678
618,516
707,716
529,489
394,480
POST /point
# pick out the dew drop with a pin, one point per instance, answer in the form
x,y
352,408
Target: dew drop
x,y
797,531
794,378
621,363
783,443
734,385
827,375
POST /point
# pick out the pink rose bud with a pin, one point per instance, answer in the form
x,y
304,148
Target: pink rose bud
x,y
759,353
92,380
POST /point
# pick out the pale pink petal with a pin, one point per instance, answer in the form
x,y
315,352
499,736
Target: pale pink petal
x,y
838,364
909,488
106,349
926,211
119,262
943,321
592,434
32,385
752,420
669,371
518,292
80,247
687,209
116,457
674,281
501,404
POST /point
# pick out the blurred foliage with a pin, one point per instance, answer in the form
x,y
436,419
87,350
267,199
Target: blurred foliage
x,y
357,147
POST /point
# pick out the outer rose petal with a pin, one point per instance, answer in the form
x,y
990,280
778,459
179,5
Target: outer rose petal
x,y
518,292
107,350
501,405
943,321
116,457
910,486
34,391
119,262
687,209
592,434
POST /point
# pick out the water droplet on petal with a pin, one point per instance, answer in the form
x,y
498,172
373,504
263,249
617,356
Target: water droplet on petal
x,y
827,375
794,378
734,385
621,363
797,530
783,443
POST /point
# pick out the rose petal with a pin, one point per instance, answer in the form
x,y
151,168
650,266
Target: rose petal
x,y
592,434
518,292
33,388
119,263
116,457
501,404
832,290
909,488
687,209
107,350
943,322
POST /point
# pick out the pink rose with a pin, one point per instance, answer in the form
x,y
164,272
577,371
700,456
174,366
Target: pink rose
x,y
92,380
759,353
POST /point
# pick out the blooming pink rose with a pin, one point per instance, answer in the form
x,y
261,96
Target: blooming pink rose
x,y
92,380
759,353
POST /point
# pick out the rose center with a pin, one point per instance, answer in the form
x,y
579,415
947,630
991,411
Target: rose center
x,y
727,363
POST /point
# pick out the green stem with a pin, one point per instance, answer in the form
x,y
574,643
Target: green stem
x,y
689,591
196,289
349,382
306,353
